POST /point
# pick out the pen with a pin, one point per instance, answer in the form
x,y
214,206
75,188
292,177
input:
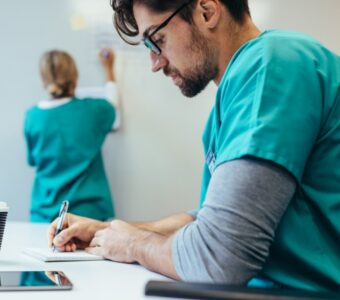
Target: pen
x,y
62,213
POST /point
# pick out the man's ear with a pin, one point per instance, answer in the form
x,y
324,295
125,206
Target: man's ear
x,y
210,12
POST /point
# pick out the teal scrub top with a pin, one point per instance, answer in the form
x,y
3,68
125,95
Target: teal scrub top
x,y
64,145
279,100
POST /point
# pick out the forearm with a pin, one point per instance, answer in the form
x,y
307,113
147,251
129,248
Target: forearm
x,y
109,75
167,226
154,252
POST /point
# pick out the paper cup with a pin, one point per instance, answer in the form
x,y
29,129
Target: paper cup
x,y
3,217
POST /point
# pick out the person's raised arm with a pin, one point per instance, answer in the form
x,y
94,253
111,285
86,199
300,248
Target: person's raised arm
x,y
107,59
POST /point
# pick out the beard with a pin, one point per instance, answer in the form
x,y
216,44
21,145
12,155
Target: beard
x,y
203,70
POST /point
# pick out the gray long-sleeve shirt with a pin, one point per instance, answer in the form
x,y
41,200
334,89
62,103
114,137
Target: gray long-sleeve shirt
x,y
230,239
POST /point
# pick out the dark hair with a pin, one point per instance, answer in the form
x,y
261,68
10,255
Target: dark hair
x,y
127,27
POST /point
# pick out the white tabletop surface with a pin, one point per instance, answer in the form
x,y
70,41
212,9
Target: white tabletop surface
x,y
92,280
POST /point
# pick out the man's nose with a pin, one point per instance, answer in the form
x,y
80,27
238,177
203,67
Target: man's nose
x,y
158,62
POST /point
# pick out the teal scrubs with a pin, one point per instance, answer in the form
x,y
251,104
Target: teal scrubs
x,y
279,100
64,145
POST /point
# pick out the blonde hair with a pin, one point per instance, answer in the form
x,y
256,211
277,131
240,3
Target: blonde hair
x,y
59,73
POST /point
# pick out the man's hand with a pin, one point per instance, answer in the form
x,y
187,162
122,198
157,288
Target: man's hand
x,y
77,233
117,241
123,242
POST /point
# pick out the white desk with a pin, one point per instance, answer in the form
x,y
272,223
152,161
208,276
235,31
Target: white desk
x,y
92,280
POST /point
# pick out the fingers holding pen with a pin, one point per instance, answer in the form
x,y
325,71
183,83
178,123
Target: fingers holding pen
x,y
77,232
51,232
64,241
52,229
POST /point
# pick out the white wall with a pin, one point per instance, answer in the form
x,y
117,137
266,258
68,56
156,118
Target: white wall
x,y
154,162
319,18
156,158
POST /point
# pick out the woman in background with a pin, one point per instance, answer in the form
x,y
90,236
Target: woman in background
x,y
64,136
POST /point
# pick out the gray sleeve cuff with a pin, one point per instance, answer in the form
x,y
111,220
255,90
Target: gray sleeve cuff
x,y
193,213
178,243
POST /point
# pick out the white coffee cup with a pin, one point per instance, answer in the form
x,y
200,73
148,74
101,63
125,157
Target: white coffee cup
x,y
3,217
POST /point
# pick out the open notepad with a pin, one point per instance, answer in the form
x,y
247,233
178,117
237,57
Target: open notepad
x,y
47,255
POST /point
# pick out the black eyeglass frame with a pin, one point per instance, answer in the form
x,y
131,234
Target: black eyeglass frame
x,y
149,43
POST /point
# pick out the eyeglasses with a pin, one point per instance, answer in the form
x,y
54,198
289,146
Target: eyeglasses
x,y
149,43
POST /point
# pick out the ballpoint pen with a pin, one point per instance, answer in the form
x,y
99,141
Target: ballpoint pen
x,y
62,213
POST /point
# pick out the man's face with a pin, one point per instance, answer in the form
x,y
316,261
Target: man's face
x,y
187,56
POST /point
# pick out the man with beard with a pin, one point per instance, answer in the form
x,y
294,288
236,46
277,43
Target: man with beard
x,y
270,191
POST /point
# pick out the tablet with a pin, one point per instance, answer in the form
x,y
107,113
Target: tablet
x,y
34,281
224,292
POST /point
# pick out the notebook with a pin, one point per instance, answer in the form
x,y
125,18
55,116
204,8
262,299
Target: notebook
x,y
47,255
